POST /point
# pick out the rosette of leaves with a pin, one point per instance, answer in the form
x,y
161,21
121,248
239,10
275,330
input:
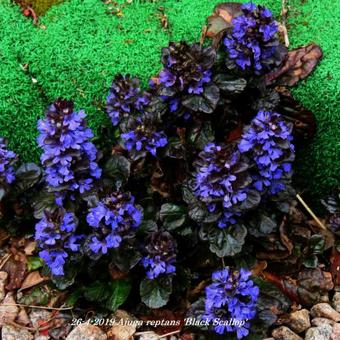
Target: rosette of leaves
x,y
69,158
268,141
143,136
113,219
125,98
252,43
17,188
223,183
56,238
186,79
231,296
159,263
220,194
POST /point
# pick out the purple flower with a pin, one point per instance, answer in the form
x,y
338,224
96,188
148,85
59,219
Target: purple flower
x,y
252,43
222,181
232,295
114,218
125,98
55,234
160,255
68,156
186,71
268,141
7,157
144,137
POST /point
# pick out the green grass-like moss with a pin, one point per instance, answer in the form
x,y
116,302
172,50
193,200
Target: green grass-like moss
x,y
79,47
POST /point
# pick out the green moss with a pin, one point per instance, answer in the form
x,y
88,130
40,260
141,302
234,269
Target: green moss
x,y
80,47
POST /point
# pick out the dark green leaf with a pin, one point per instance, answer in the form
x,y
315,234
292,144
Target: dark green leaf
x,y
156,293
63,282
43,201
73,298
97,291
203,103
227,242
2,193
27,175
173,216
117,167
126,258
230,85
147,226
317,243
118,291
252,200
188,196
37,296
202,136
34,262
310,261
197,212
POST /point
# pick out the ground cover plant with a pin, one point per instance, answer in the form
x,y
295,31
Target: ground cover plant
x,y
107,39
186,202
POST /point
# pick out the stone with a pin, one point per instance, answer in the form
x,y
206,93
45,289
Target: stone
x,y
23,318
119,332
284,333
299,321
3,281
336,301
38,316
149,336
322,332
88,332
7,312
322,321
125,326
335,332
10,332
324,310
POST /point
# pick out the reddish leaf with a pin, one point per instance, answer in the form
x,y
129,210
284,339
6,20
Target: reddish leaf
x,y
16,269
335,267
284,235
236,133
221,19
304,120
287,286
298,64
309,288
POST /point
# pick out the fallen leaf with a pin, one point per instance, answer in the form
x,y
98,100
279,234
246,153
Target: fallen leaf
x,y
221,20
259,267
335,267
32,279
22,317
16,269
30,247
284,235
298,65
4,236
8,310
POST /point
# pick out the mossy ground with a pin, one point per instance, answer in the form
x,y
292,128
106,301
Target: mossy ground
x,y
79,46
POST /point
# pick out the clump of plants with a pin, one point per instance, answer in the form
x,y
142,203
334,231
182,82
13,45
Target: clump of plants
x,y
194,180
